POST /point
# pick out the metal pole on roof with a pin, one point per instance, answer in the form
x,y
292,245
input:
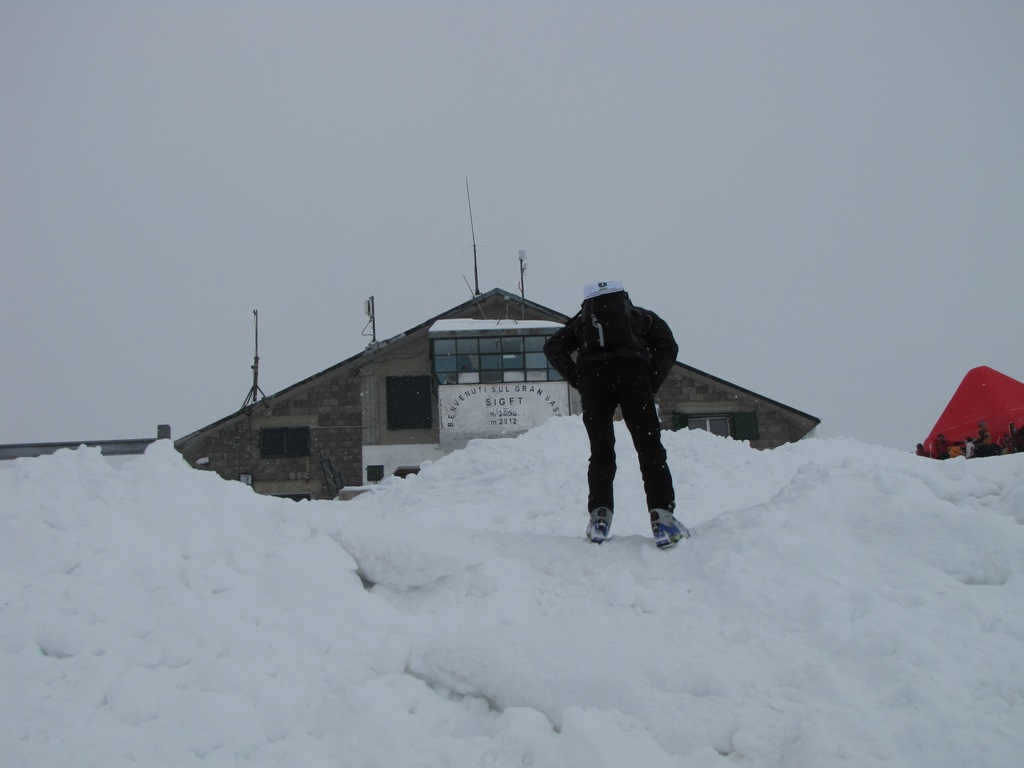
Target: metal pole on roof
x,y
522,280
476,274
371,312
255,391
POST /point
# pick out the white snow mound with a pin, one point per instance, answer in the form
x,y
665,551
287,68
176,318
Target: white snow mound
x,y
838,605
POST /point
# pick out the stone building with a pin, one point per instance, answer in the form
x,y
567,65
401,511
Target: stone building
x,y
476,370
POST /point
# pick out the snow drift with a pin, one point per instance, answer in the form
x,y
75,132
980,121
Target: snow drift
x,y
839,604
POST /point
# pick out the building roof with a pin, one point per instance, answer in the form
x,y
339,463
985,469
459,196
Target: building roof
x,y
484,327
458,311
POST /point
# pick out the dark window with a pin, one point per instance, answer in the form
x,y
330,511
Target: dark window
x,y
284,442
408,402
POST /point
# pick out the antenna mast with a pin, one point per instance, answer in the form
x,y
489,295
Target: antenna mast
x,y
252,397
372,322
476,274
522,279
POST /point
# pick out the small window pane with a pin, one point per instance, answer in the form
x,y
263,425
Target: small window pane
x,y
514,376
719,426
468,362
490,362
491,377
536,360
445,363
511,343
536,375
511,361
535,343
469,378
490,345
467,346
444,346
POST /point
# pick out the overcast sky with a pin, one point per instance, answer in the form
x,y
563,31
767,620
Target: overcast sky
x,y
825,200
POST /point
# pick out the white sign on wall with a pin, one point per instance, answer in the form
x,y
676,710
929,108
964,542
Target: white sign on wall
x,y
470,411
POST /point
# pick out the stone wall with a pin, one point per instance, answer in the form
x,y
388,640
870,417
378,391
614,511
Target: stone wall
x,y
330,406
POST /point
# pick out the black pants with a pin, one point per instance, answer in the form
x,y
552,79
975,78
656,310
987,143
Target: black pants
x,y
627,384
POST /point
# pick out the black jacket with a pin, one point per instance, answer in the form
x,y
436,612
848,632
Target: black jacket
x,y
658,348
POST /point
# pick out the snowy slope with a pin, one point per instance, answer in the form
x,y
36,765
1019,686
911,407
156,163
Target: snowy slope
x,y
839,605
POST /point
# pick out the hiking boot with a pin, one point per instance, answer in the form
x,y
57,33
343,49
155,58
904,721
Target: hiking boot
x,y
600,524
667,530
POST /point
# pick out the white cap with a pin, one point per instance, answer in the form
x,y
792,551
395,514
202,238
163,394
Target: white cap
x,y
590,290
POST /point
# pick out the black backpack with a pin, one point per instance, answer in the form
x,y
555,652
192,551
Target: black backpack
x,y
606,322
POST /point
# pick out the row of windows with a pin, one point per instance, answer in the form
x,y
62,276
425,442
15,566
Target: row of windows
x,y
491,359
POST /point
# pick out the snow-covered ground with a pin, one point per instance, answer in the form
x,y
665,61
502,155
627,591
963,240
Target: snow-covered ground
x,y
839,605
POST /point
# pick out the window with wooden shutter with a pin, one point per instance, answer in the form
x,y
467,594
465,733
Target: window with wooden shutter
x,y
744,426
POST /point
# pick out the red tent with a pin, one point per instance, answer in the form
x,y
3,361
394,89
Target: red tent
x,y
984,395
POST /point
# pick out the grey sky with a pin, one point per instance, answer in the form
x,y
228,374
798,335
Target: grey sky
x,y
825,200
